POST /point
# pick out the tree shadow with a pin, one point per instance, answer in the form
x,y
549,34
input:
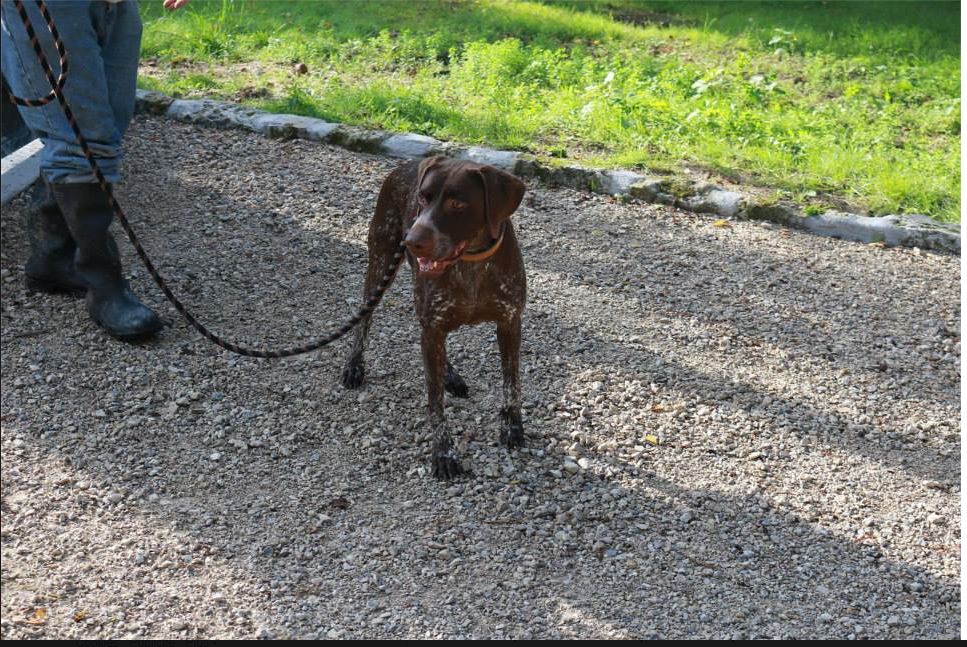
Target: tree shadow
x,y
926,32
714,298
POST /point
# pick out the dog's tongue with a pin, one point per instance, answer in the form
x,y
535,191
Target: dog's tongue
x,y
433,268
429,266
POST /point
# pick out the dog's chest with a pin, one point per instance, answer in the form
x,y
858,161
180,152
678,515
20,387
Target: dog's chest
x,y
470,293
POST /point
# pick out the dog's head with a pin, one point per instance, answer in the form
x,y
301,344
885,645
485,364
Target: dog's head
x,y
459,202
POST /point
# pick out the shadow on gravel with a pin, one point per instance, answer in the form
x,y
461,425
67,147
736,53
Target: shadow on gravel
x,y
686,287
313,498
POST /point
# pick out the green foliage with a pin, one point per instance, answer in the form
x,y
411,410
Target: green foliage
x,y
858,100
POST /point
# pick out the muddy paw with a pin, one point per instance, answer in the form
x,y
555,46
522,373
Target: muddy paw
x,y
454,384
353,374
511,429
446,465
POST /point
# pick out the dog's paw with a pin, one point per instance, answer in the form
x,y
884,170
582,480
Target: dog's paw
x,y
354,374
454,384
511,429
446,465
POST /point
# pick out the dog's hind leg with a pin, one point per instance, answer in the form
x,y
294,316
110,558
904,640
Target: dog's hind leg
x,y
385,234
454,384
511,427
354,372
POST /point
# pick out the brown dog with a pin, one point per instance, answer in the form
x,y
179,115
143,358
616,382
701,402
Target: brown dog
x,y
467,269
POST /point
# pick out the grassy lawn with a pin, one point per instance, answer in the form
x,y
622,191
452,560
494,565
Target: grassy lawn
x,y
825,102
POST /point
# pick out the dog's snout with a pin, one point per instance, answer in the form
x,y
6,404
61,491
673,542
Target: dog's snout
x,y
420,240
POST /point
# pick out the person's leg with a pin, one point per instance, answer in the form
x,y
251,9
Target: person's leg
x,y
87,90
121,52
110,301
85,28
50,267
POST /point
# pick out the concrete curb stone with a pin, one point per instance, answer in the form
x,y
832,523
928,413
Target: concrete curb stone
x,y
900,230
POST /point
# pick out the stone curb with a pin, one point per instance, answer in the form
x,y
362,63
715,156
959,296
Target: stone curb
x,y
894,230
19,169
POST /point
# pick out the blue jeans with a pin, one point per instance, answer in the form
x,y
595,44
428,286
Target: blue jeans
x,y
103,41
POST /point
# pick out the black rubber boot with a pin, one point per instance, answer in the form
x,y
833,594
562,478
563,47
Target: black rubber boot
x,y
50,267
110,301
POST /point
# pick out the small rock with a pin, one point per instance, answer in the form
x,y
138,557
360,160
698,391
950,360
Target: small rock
x,y
935,519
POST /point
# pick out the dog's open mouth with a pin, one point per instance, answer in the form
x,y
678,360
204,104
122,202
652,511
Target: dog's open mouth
x,y
430,267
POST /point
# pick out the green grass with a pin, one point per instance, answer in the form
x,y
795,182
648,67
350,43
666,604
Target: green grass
x,y
825,101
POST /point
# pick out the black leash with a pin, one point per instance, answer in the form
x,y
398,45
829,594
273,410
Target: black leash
x,y
57,86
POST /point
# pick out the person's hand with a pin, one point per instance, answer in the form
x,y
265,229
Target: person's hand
x,y
171,5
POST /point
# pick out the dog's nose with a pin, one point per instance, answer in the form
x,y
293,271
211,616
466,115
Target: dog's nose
x,y
419,240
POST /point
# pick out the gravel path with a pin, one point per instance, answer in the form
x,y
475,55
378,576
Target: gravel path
x,y
735,431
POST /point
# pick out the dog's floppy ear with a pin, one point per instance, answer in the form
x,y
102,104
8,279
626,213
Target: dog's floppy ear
x,y
425,166
502,195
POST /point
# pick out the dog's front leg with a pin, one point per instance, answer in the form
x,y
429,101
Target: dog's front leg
x,y
446,464
508,339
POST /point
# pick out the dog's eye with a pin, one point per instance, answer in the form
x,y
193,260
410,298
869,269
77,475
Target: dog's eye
x,y
455,204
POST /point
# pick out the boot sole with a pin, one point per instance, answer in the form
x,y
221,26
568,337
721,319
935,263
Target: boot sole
x,y
134,337
52,287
